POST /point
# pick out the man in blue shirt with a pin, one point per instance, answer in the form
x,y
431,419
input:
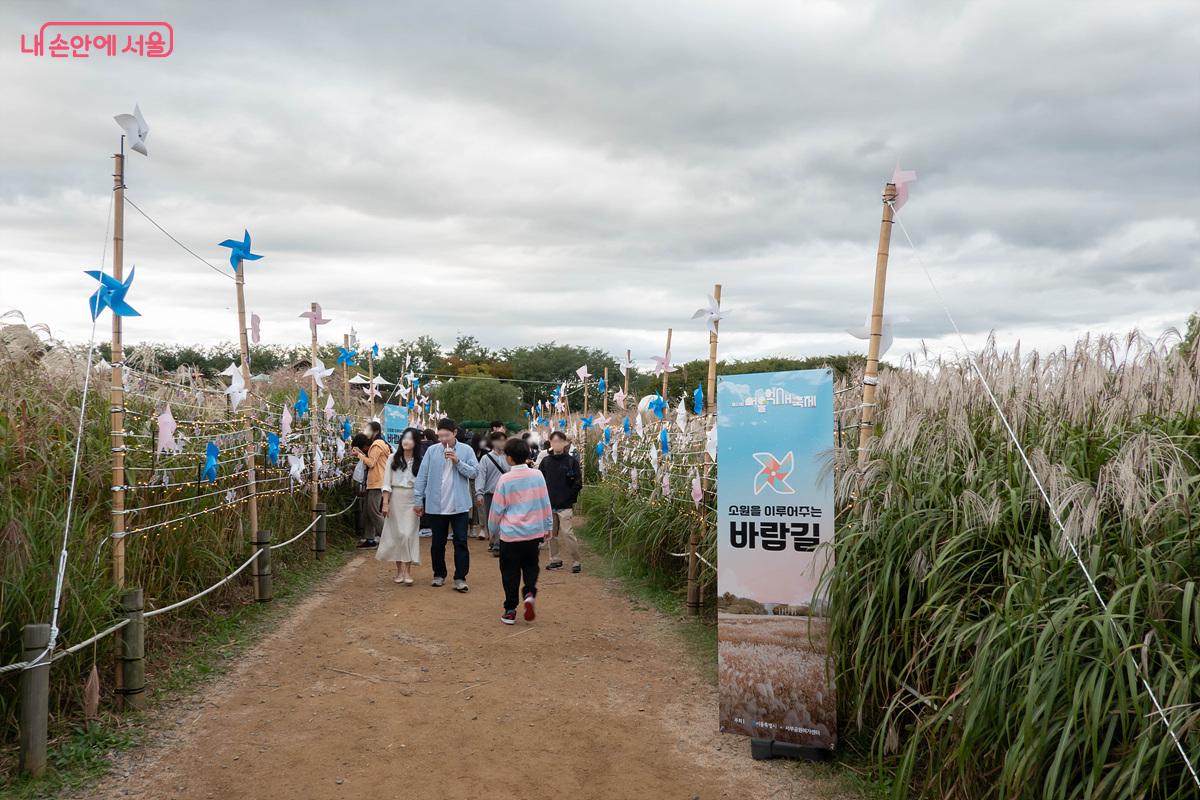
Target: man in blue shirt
x,y
442,492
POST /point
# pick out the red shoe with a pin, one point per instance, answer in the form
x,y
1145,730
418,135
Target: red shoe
x,y
509,617
530,614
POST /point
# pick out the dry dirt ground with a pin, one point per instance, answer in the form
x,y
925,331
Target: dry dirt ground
x,y
372,690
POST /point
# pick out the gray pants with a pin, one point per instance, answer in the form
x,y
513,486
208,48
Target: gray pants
x,y
373,528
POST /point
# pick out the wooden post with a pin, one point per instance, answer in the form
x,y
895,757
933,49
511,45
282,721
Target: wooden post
x,y
312,419
35,700
710,407
371,382
319,530
346,375
628,358
666,355
262,566
871,371
132,651
605,397
248,408
117,382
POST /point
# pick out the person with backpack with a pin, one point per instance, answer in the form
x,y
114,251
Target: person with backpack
x,y
492,465
564,480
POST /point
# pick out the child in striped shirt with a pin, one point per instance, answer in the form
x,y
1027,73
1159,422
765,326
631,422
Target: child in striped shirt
x,y
521,517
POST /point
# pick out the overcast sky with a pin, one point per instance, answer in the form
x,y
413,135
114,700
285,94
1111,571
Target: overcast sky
x,y
585,171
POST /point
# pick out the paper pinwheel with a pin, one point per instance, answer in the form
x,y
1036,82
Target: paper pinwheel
x,y
626,427
318,461
319,372
211,452
371,392
603,385
662,364
347,357
664,443
901,178
562,423
619,398
239,251
710,443
654,457
340,448
315,318
347,428
412,402
329,407
711,315
273,448
657,405
110,294
301,406
885,333
697,490
666,484
599,449
626,365
633,479
135,128
296,468
375,349
255,328
166,431
587,422
600,421
236,390
285,422
583,373
698,400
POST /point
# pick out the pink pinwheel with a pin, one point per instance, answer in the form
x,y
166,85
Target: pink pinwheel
x,y
315,318
619,398
662,364
902,178
255,330
697,490
583,373
285,422
166,431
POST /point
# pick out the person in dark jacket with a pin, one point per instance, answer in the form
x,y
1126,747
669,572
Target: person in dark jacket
x,y
564,480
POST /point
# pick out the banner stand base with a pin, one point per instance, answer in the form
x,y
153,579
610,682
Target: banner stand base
x,y
765,749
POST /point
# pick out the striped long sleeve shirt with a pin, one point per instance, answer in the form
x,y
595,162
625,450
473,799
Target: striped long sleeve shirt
x,y
521,506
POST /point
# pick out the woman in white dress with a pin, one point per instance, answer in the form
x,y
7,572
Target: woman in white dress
x,y
400,541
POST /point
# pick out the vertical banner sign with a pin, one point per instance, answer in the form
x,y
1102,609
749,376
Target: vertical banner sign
x,y
395,420
775,534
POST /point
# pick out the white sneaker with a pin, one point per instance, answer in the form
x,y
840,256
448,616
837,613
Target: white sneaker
x,y
461,586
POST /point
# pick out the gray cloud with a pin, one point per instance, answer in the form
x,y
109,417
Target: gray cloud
x,y
606,163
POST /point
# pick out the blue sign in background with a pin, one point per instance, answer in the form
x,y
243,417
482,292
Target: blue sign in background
x,y
395,420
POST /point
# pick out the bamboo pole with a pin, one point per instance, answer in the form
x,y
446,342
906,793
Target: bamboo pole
x,y
710,407
312,419
346,374
628,358
604,397
871,372
117,384
247,411
666,355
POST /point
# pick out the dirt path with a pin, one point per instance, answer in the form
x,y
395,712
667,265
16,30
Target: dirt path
x,y
373,690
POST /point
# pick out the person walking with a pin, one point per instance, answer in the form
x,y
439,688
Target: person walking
x,y
564,480
492,465
400,541
442,489
359,482
520,517
375,459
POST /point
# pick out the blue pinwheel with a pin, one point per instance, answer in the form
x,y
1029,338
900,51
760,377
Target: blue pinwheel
x,y
210,461
428,405
273,448
416,384
375,349
347,428
663,444
657,405
412,402
698,400
587,422
603,386
625,427
599,449
110,294
347,357
239,251
607,436
301,406
562,423
527,414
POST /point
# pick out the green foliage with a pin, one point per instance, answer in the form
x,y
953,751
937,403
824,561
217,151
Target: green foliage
x,y
1190,336
479,398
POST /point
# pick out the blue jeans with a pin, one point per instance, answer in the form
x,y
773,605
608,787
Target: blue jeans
x,y
442,525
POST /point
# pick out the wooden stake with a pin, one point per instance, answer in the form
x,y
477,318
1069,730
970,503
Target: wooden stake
x,y
605,393
666,355
871,372
248,409
628,358
371,381
132,651
312,419
346,374
710,408
35,700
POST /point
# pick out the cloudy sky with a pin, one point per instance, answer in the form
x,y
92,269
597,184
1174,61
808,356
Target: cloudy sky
x,y
586,171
